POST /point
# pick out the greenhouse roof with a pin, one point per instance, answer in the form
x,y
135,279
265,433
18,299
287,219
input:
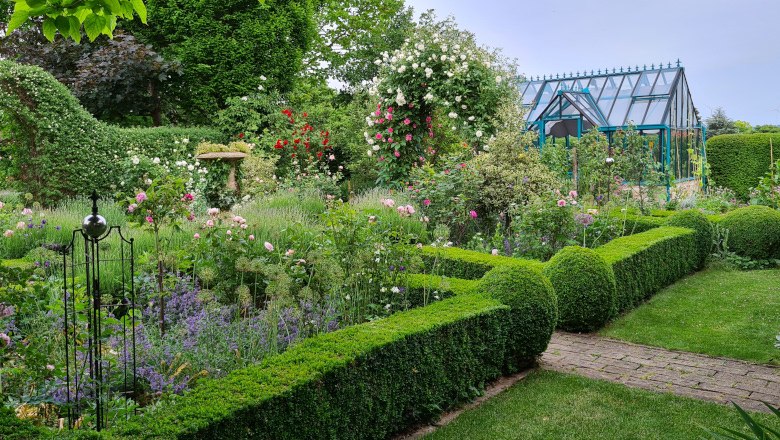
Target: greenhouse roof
x,y
655,96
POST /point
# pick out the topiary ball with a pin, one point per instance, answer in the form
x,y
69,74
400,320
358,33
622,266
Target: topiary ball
x,y
693,219
754,232
585,285
534,309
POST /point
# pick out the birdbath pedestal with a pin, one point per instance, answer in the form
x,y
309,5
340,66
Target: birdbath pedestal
x,y
232,157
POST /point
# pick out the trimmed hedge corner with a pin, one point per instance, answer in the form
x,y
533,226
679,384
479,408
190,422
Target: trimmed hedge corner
x,y
754,232
534,313
585,285
635,224
647,262
465,264
697,221
737,161
424,289
374,379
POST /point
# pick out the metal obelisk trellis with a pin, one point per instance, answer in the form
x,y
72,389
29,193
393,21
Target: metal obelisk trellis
x,y
99,318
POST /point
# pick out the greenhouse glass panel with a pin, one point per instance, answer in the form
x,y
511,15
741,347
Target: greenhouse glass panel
x,y
655,112
646,83
547,94
637,113
665,82
618,114
595,87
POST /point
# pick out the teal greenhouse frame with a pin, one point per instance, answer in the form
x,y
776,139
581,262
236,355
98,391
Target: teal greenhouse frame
x,y
655,100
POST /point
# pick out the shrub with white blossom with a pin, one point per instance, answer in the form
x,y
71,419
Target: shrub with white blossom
x,y
439,80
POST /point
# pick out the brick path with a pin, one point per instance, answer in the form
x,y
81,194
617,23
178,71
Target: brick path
x,y
687,374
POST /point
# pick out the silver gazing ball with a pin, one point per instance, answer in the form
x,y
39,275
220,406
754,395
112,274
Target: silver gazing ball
x,y
94,225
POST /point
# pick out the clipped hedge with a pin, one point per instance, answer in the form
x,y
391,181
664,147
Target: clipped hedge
x,y
737,161
362,382
585,286
635,224
465,264
754,232
647,262
57,149
697,221
13,428
534,306
423,289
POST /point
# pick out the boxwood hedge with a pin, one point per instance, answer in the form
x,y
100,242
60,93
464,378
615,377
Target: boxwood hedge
x,y
754,232
58,149
585,286
644,263
737,161
465,264
697,221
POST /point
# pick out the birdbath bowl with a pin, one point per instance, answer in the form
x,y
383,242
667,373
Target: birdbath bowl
x,y
232,157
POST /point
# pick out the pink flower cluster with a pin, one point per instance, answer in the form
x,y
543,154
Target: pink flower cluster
x,y
405,211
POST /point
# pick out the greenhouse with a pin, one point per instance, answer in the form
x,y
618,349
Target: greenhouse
x,y
655,100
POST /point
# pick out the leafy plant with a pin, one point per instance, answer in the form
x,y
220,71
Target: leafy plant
x,y
758,430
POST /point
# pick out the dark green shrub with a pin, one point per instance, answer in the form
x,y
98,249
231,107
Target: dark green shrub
x,y
585,286
58,149
465,264
15,271
367,381
647,262
697,221
754,232
738,161
534,309
423,289
13,428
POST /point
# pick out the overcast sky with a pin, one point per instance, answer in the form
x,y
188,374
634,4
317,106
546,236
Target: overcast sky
x,y
730,49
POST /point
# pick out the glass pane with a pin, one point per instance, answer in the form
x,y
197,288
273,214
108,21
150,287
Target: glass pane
x,y
618,114
664,83
655,112
645,85
567,84
547,94
530,92
580,84
595,86
637,112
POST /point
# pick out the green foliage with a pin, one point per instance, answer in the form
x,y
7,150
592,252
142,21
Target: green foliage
x,y
511,173
226,49
258,175
585,286
415,364
646,262
15,271
13,428
465,264
635,162
767,192
759,430
593,174
423,289
210,147
96,18
738,161
754,232
545,226
53,148
718,123
534,307
634,224
697,221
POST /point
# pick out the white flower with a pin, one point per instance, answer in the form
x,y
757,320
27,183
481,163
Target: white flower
x,y
377,62
402,69
420,46
395,289
457,99
388,306
260,88
156,160
415,65
478,133
428,97
444,57
471,118
185,141
375,147
136,160
462,57
244,98
464,106
444,48
369,153
428,72
452,115
498,79
262,78
400,99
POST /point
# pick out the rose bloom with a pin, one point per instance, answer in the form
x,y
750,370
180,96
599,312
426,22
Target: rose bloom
x,y
26,211
427,202
561,203
132,207
196,236
213,211
229,232
251,237
8,233
268,246
410,209
210,223
21,225
140,197
149,219
388,202
573,194
473,213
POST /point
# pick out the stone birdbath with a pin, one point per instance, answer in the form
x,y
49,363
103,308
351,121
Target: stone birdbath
x,y
232,157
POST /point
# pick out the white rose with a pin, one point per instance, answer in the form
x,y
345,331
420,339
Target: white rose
x,y
452,115
478,134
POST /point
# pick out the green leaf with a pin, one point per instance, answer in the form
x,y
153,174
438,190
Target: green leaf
x,y
94,25
113,7
75,28
49,28
63,25
140,9
20,15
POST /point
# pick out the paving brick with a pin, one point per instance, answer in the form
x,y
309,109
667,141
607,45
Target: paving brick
x,y
687,374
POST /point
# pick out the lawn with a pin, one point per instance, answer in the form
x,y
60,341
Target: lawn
x,y
549,405
715,312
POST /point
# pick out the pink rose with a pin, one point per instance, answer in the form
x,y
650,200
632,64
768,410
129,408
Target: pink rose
x,y
389,129
289,252
410,209
473,213
561,203
268,246
407,121
229,232
408,137
573,194
132,207
379,135
213,212
26,211
427,202
210,223
149,219
397,153
388,202
140,197
196,236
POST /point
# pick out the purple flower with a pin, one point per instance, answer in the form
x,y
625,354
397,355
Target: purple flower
x,y
584,219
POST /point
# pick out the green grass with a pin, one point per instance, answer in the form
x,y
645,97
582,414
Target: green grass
x,y
715,312
548,405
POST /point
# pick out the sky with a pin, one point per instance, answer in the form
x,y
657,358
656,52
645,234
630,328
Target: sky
x,y
730,49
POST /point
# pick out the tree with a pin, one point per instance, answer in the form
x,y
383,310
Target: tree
x,y
767,128
743,127
71,18
719,123
354,33
227,47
